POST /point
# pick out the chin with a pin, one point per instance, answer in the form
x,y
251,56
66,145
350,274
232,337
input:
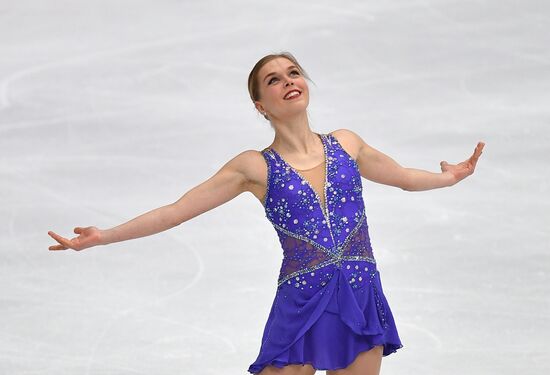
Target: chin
x,y
299,106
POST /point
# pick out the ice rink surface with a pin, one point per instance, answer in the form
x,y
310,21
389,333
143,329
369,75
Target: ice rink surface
x,y
111,109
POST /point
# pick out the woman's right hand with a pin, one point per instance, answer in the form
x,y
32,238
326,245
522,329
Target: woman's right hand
x,y
88,237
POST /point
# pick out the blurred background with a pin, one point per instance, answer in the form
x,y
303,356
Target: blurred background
x,y
109,109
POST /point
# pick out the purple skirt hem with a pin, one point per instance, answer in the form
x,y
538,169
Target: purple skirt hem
x,y
388,349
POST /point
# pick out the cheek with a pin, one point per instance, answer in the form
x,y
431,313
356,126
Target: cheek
x,y
272,94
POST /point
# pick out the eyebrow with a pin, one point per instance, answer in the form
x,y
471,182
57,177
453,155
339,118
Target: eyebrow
x,y
272,73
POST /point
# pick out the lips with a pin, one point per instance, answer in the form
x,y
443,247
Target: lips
x,y
292,94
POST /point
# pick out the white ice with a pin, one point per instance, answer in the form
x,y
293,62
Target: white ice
x,y
109,109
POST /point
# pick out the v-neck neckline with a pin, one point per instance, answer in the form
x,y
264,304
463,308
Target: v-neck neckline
x,y
322,203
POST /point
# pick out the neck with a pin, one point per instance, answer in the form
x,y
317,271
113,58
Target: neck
x,y
294,136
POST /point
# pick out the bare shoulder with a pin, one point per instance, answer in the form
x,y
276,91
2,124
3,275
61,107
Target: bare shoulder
x,y
253,168
251,164
350,141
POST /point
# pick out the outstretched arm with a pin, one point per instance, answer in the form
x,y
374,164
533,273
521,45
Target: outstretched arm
x,y
226,184
379,167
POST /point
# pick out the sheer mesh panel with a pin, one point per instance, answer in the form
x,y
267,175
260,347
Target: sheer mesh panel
x,y
299,256
358,245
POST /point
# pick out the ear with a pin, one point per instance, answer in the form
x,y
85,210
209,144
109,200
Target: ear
x,y
259,106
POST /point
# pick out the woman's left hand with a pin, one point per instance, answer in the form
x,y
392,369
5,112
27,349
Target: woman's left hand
x,y
464,169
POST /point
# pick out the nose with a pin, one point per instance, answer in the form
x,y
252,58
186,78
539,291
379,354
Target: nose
x,y
289,82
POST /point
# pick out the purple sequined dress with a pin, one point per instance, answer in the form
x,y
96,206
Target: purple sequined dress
x,y
329,305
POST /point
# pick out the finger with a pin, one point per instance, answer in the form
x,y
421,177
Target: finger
x,y
477,153
63,241
78,230
479,149
472,160
57,247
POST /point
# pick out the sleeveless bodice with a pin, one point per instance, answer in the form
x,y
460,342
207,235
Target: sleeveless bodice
x,y
313,234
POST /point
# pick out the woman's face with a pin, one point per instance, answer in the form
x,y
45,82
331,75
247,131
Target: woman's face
x,y
277,79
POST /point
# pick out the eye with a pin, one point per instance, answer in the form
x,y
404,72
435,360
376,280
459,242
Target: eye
x,y
295,72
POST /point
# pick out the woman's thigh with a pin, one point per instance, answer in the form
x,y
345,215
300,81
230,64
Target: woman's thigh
x,y
305,369
366,363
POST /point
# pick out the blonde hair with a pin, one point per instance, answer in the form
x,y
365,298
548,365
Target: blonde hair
x,y
253,85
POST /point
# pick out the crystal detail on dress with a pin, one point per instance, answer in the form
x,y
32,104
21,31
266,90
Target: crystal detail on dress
x,y
302,255
305,181
321,235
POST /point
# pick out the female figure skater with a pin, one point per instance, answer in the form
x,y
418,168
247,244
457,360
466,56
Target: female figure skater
x,y
329,312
